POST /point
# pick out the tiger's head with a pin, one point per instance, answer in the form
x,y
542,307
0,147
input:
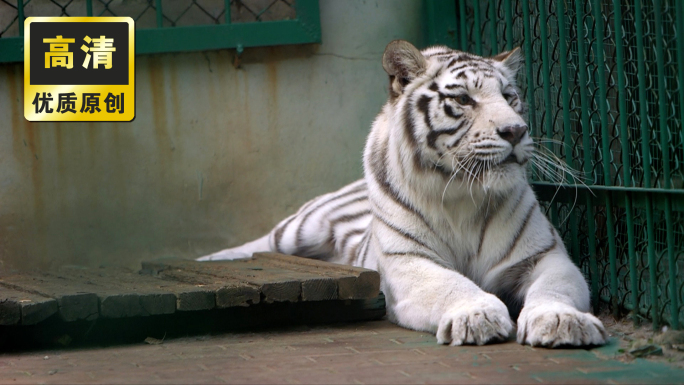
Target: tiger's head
x,y
462,113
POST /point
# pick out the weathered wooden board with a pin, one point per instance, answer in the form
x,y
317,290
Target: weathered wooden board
x,y
156,296
170,285
229,292
19,307
75,302
123,293
275,283
352,282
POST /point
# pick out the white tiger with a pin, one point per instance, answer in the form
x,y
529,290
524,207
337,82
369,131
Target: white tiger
x,y
445,213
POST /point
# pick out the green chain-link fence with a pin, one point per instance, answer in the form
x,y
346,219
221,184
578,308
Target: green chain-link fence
x,y
177,25
604,95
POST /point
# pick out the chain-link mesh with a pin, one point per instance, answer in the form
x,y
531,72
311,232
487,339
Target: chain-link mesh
x,y
144,12
635,242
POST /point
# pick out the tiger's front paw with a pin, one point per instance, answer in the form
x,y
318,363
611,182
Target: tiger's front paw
x,y
558,324
479,322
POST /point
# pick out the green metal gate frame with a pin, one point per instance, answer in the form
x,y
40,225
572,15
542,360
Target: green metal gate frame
x,y
306,28
604,94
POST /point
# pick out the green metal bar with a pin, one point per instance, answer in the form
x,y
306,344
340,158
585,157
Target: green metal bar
x,y
89,7
567,129
226,14
565,93
546,73
680,62
646,155
12,48
676,194
626,168
20,17
509,24
160,15
218,36
463,24
308,16
492,28
680,66
476,28
665,148
602,102
441,22
586,144
528,67
662,96
571,194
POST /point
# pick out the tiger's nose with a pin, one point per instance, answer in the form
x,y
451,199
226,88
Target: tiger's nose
x,y
512,134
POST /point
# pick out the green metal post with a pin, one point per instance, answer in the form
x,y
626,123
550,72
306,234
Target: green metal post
x,y
567,129
463,24
546,73
20,16
528,67
646,155
160,15
508,9
492,28
441,22
680,66
665,148
226,14
602,102
626,168
477,23
586,144
89,7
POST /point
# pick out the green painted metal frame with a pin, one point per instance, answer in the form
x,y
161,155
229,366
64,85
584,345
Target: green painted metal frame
x,y
305,29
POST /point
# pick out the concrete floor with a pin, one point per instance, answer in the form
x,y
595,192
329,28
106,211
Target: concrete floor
x,y
367,352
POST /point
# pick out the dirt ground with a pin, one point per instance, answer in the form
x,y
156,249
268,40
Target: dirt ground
x,y
664,345
364,352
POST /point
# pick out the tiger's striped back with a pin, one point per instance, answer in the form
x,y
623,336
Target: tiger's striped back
x,y
334,227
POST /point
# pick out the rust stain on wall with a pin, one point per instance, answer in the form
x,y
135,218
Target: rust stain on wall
x,y
245,107
175,100
272,79
156,70
12,78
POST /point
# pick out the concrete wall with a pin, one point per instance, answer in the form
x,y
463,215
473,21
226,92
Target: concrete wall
x,y
216,155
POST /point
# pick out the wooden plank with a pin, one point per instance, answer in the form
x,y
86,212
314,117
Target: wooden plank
x,y
353,282
273,289
19,307
124,293
10,311
75,302
229,292
117,299
275,284
188,297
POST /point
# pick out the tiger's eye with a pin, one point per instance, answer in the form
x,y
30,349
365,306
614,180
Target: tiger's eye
x,y
464,100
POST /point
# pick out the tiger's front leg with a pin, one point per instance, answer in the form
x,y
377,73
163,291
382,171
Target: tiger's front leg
x,y
556,308
422,295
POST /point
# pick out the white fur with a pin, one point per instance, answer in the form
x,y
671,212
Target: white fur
x,y
241,252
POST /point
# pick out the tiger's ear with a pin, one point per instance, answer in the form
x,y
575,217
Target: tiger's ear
x,y
403,61
511,60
